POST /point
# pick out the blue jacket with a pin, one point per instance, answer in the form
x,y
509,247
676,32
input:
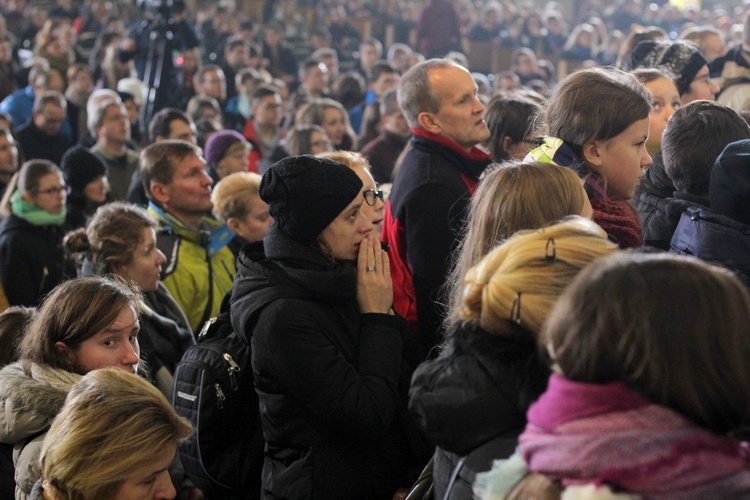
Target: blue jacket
x,y
716,239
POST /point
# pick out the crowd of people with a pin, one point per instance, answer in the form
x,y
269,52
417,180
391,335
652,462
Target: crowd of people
x,y
452,284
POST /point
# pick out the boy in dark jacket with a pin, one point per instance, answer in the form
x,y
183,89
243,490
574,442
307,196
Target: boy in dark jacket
x,y
721,235
694,137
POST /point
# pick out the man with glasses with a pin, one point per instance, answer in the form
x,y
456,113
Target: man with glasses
x,y
41,138
263,130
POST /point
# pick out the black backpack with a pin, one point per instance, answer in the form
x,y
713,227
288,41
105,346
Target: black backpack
x,y
213,388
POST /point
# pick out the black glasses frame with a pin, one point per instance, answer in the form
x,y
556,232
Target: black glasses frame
x,y
371,196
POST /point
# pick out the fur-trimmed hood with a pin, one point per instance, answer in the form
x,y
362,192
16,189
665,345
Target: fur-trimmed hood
x,y
31,395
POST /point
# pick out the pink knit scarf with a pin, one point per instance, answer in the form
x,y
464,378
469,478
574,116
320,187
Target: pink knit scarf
x,y
608,434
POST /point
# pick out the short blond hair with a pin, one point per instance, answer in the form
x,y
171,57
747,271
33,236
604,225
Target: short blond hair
x,y
112,424
521,280
349,158
234,195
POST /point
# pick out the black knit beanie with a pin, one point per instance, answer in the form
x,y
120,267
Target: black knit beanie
x,y
80,166
681,60
729,191
305,194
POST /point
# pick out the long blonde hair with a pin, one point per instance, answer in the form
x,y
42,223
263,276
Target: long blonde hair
x,y
516,196
113,423
520,280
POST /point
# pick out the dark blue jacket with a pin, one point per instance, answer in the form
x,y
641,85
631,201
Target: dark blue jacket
x,y
716,239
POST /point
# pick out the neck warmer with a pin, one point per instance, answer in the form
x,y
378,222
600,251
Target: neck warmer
x,y
619,220
33,214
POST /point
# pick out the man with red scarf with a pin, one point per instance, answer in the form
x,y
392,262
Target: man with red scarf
x,y
427,207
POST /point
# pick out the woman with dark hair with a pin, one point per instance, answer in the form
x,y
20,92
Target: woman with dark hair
x,y
314,302
334,119
303,140
510,120
86,177
32,261
83,325
650,396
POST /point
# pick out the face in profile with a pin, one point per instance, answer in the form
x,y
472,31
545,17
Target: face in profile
x,y
347,231
256,222
371,194
145,263
97,189
460,114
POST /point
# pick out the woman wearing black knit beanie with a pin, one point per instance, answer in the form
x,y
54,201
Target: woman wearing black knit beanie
x,y
86,177
330,359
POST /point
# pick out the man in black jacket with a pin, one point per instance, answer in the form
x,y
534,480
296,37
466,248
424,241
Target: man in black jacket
x,y
427,207
41,138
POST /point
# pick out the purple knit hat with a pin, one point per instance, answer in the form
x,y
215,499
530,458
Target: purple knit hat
x,y
218,145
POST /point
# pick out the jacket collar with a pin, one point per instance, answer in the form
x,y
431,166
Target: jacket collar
x,y
475,155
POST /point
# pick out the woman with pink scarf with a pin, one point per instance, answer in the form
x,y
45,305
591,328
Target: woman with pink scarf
x,y
651,389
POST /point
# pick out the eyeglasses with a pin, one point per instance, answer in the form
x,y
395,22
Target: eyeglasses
x,y
371,196
52,190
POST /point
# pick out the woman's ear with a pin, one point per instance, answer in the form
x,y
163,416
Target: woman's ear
x,y
64,352
233,224
592,153
507,144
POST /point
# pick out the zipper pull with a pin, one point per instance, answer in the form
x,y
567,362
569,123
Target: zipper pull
x,y
206,327
232,370
220,398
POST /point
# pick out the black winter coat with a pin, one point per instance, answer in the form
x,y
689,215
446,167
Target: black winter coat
x,y
32,260
331,381
664,215
472,401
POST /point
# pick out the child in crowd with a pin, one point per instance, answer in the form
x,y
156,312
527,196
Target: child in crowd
x,y
598,124
650,387
695,136
665,100
513,197
509,119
